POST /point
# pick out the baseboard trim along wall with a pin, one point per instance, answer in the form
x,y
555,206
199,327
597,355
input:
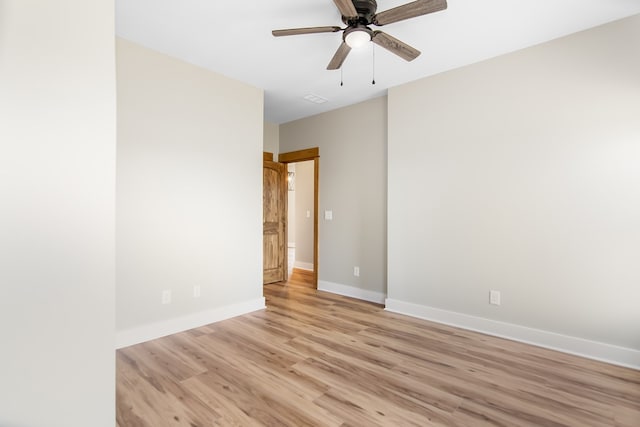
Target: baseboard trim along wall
x,y
351,291
303,265
184,323
590,349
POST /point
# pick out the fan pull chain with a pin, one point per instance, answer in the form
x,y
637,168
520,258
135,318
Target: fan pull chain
x,y
341,76
373,49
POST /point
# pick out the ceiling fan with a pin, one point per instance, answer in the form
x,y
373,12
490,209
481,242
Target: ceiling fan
x,y
358,15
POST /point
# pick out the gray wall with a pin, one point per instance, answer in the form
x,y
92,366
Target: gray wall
x,y
189,207
57,192
521,174
271,138
303,224
291,210
352,144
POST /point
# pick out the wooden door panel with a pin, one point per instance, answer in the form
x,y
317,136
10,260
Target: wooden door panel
x,y
271,248
274,222
271,198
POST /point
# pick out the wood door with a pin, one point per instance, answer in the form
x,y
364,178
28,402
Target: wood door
x,y
274,222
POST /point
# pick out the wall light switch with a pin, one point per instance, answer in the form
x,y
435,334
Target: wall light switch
x,y
308,214
494,297
328,215
166,297
196,291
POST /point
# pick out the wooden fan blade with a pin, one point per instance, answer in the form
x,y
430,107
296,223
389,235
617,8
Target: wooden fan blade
x,y
309,30
394,45
409,10
339,57
346,8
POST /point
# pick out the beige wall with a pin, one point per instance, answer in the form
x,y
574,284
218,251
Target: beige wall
x,y
304,224
57,192
189,207
520,174
352,143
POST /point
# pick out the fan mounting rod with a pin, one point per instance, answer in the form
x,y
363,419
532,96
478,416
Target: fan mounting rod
x,y
366,11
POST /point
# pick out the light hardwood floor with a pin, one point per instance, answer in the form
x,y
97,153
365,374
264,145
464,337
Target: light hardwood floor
x,y
317,359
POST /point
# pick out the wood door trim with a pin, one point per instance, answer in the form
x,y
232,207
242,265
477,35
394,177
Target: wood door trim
x,y
267,156
299,156
316,178
302,156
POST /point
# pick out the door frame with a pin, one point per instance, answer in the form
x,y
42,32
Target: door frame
x,y
303,156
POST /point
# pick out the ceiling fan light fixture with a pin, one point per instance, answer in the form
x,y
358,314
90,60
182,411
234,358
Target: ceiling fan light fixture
x,y
359,15
357,37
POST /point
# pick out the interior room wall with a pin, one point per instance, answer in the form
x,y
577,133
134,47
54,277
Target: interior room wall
x,y
291,209
353,148
189,206
271,138
304,215
520,174
57,192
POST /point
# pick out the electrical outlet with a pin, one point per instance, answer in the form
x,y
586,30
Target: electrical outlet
x,y
166,297
494,297
356,271
196,291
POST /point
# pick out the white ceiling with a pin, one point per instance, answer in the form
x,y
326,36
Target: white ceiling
x,y
234,38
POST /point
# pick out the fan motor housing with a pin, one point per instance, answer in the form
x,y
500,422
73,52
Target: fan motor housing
x,y
366,10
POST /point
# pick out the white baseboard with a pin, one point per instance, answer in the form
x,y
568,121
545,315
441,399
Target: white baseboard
x,y
351,291
303,265
590,349
163,328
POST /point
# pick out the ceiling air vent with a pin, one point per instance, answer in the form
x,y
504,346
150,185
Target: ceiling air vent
x,y
315,99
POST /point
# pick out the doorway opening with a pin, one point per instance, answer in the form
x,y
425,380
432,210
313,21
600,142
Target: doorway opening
x,y
300,214
302,217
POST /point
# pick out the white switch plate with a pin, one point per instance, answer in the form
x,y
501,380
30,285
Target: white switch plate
x,y
494,297
166,297
196,291
328,215
356,271
308,214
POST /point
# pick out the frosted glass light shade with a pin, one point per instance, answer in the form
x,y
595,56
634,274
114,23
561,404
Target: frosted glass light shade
x,y
357,38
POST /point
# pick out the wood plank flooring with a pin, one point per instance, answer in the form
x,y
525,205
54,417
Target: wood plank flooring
x,y
316,359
